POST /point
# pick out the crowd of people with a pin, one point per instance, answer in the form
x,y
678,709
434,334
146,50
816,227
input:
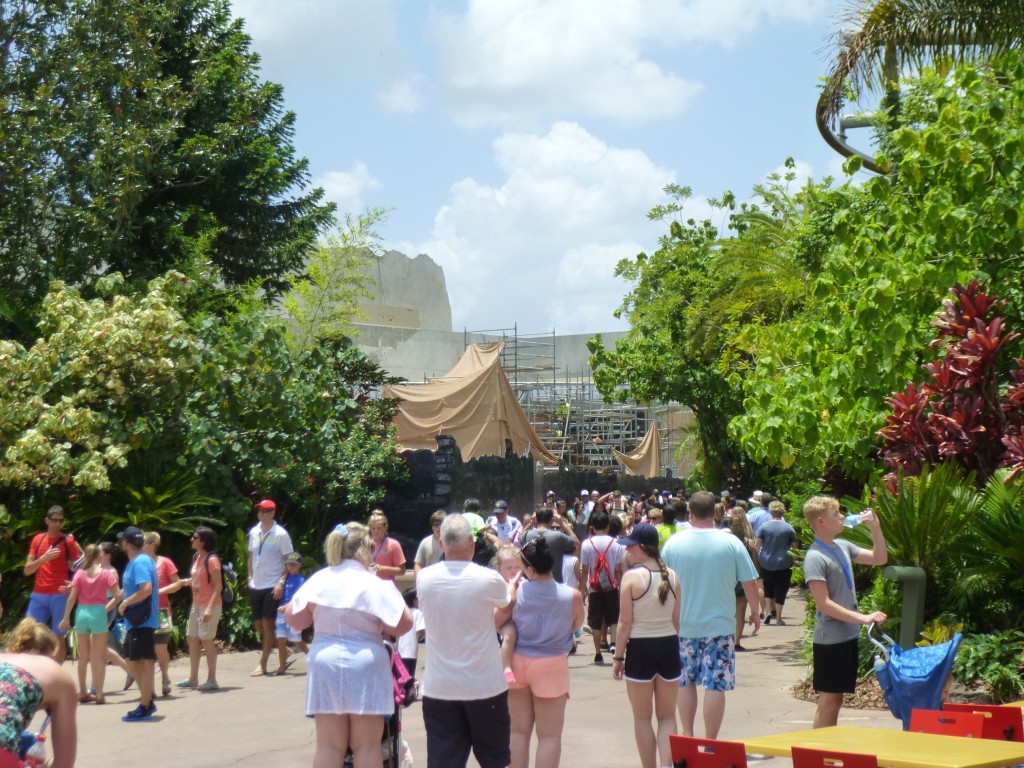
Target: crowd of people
x,y
667,584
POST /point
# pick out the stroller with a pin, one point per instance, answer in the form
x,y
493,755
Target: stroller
x,y
393,750
915,678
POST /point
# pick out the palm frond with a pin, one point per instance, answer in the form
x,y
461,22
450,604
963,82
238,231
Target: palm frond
x,y
890,35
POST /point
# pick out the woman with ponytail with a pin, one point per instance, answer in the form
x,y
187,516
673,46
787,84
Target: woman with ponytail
x,y
89,589
649,634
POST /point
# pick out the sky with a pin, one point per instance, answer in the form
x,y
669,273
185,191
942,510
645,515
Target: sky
x,y
521,143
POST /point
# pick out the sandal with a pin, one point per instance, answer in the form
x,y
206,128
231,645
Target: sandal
x,y
207,686
129,681
185,684
86,698
167,688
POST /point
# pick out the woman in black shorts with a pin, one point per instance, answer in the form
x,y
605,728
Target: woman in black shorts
x,y
649,631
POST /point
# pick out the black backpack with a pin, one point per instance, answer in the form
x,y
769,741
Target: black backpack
x,y
228,580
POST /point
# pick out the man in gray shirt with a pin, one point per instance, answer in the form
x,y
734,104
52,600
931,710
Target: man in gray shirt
x,y
828,570
559,534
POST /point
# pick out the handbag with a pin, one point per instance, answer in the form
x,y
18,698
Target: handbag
x,y
138,614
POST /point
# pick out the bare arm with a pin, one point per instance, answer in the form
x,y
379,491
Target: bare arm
x,y
217,581
72,599
878,554
825,604
625,622
299,619
404,624
750,591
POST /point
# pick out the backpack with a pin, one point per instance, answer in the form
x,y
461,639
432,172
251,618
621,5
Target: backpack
x,y
228,580
73,565
602,579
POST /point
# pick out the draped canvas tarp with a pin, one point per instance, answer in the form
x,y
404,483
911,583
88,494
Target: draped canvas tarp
x,y
474,403
645,461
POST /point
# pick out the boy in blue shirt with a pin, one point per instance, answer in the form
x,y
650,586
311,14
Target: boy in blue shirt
x,y
285,634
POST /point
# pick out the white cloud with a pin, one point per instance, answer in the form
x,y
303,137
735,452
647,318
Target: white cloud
x,y
540,248
346,188
333,43
504,61
402,96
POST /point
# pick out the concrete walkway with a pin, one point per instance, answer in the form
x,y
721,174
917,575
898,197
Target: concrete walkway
x,y
259,722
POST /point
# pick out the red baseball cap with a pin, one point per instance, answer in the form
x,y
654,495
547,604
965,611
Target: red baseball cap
x,y
265,504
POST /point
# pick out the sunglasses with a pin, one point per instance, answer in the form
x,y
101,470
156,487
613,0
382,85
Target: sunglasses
x,y
56,519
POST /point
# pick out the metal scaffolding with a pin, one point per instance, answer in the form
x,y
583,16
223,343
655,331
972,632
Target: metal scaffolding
x,y
570,416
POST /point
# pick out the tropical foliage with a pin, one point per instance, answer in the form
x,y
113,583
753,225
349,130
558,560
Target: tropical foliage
x,y
138,135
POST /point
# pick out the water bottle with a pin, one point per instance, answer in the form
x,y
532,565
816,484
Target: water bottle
x,y
36,755
852,520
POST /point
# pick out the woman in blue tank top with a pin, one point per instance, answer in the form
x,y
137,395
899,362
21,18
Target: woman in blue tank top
x,y
546,615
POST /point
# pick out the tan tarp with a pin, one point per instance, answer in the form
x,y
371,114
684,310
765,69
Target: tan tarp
x,y
645,461
474,403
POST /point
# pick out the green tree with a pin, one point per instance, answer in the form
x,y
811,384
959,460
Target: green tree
x,y
694,302
950,212
137,134
880,40
323,300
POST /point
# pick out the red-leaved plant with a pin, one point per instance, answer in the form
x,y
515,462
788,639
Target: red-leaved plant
x,y
958,414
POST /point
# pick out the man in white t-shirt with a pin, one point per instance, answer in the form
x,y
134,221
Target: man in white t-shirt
x,y
268,545
465,695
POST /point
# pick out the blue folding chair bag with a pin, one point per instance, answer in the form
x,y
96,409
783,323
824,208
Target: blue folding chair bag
x,y
914,679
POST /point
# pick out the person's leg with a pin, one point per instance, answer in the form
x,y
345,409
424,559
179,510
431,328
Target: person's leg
x,y
98,657
714,713
144,676
282,653
266,630
509,635
611,615
741,617
364,735
520,710
550,720
665,714
84,657
686,701
827,712
595,621
193,660
332,735
641,696
448,732
163,660
782,590
210,650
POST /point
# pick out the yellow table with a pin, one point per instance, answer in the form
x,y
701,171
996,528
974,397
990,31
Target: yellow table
x,y
895,749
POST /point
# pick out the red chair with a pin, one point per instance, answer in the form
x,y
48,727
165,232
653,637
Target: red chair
x,y
691,752
827,758
947,723
1001,723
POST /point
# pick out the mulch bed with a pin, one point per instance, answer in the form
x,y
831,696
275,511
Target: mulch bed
x,y
867,696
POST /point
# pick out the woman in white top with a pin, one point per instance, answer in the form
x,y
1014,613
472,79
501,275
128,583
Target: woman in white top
x,y
348,686
649,632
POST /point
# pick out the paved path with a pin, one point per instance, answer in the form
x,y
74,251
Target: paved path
x,y
259,723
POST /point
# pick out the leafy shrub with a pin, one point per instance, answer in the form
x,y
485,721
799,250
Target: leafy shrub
x,y
995,659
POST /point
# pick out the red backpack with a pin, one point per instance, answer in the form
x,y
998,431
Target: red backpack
x,y
602,579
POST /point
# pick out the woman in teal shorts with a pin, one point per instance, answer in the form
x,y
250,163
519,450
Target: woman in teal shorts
x,y
89,589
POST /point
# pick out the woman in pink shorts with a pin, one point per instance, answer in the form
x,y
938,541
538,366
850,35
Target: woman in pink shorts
x,y
546,615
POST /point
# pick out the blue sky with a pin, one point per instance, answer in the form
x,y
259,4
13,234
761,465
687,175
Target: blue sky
x,y
521,143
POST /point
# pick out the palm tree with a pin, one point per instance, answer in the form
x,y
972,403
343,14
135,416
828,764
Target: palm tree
x,y
890,36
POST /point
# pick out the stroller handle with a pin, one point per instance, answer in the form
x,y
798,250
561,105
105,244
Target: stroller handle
x,y
881,648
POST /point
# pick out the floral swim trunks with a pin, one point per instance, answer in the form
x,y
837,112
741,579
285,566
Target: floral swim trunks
x,y
708,661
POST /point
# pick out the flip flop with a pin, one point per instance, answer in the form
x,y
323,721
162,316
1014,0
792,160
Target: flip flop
x,y
185,684
128,682
258,672
167,688
207,686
